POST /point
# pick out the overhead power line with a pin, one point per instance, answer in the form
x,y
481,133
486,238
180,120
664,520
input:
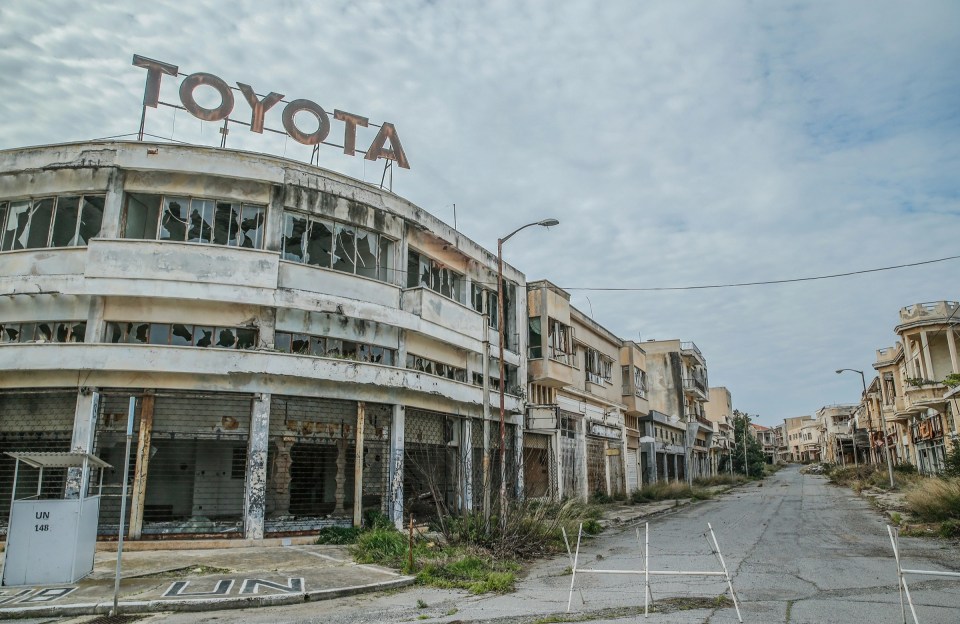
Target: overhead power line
x,y
762,283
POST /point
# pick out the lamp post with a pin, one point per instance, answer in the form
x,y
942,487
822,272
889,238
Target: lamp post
x,y
883,428
502,384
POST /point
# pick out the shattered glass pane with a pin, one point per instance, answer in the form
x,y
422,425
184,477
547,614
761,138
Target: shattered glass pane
x,y
15,232
200,221
317,346
366,253
173,222
413,269
251,227
61,332
344,255
349,350
182,335
44,332
114,332
300,344
3,220
385,259
78,332
333,347
246,338
320,244
10,332
137,333
91,218
203,336
226,224
282,342
293,229
65,221
143,213
41,215
226,338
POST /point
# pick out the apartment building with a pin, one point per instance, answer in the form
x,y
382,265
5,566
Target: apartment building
x,y
766,436
719,411
796,437
302,347
583,382
840,441
916,384
679,389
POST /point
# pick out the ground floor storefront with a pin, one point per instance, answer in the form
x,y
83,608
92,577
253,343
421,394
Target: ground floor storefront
x,y
232,465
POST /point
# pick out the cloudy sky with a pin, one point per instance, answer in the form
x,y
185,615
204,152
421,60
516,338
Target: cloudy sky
x,y
679,143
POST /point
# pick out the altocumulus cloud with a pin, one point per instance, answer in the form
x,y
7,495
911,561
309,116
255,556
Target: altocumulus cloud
x,y
678,143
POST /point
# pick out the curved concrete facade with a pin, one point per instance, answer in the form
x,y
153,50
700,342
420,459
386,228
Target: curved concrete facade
x,y
294,338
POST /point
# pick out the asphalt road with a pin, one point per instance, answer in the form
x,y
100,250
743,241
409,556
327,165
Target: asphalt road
x,y
799,551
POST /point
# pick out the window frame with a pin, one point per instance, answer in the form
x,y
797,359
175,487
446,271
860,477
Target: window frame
x,y
33,203
236,208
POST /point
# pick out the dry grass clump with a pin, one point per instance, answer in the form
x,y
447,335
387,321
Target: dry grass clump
x,y
721,479
935,500
668,490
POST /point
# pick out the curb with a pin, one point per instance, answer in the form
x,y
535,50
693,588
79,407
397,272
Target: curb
x,y
203,604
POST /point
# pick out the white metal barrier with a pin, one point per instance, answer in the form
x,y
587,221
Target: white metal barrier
x,y
646,571
894,534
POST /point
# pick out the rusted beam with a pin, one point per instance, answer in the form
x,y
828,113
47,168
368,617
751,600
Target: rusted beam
x,y
141,469
358,466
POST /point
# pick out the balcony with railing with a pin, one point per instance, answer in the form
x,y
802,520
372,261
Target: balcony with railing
x,y
695,385
690,349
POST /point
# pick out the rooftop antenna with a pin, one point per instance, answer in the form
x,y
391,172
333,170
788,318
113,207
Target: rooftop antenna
x,y
454,216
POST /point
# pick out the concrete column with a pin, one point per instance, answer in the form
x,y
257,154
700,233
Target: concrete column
x,y
466,465
518,452
358,464
606,467
582,444
273,228
255,492
558,462
141,469
113,205
952,345
396,465
84,427
928,361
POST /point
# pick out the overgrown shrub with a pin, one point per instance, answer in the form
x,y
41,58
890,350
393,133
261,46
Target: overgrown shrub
x,y
668,490
384,546
338,535
721,479
935,500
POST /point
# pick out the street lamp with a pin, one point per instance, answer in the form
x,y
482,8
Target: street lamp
x,y
883,428
500,331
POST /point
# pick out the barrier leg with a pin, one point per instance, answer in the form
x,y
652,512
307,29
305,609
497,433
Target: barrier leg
x,y
726,574
573,576
896,555
646,570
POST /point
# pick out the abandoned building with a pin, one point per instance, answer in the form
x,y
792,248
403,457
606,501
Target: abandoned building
x,y
574,440
303,348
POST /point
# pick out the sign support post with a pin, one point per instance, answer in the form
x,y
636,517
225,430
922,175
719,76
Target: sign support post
x,y
123,504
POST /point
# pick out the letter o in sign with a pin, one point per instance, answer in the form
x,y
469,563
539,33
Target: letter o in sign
x,y
193,81
295,133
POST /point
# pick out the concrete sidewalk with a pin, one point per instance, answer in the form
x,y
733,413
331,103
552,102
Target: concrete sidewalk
x,y
210,579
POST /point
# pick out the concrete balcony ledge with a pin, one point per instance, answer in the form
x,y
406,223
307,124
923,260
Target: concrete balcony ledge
x,y
227,369
435,308
930,313
46,261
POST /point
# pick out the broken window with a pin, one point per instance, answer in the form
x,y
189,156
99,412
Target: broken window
x,y
159,334
91,219
300,344
65,221
434,276
366,253
251,227
385,259
41,214
561,342
200,223
345,250
599,368
293,229
534,339
181,335
320,244
202,336
15,231
173,222
440,369
3,222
